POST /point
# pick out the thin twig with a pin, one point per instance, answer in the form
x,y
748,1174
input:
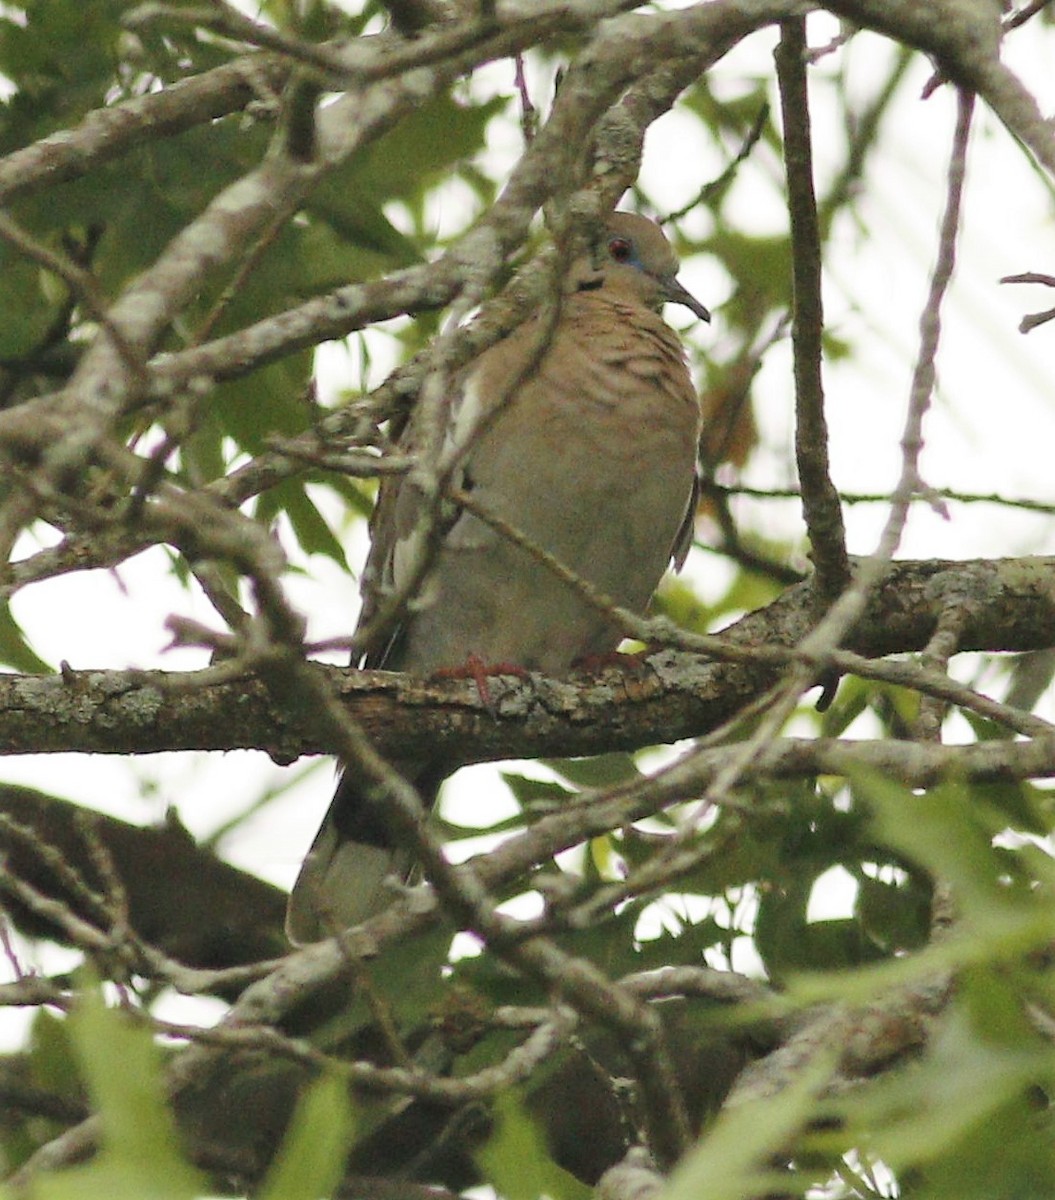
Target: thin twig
x,y
1041,507
1027,13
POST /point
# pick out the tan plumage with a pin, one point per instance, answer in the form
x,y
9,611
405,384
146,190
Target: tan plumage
x,y
592,457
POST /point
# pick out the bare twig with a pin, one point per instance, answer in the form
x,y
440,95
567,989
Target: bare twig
x,y
1028,11
1041,507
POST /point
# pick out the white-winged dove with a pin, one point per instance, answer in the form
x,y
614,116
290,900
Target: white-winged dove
x,y
592,457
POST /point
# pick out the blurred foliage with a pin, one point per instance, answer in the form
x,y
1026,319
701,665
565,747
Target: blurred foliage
x,y
967,1116
515,1162
139,1151
311,1159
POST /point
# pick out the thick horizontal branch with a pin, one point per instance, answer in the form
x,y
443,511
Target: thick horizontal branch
x,y
676,695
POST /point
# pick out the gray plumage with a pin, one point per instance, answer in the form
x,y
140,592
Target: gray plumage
x,y
592,457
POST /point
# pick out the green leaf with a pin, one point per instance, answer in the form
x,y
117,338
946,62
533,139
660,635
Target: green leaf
x,y
28,311
949,831
51,1054
603,770
761,266
139,1153
407,974
894,914
309,525
685,944
15,651
424,145
311,1161
961,1113
61,56
202,454
363,230
539,793
732,1160
851,700
1025,805
268,402
515,1160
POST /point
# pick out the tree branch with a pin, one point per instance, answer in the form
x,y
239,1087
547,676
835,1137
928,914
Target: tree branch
x,y
820,500
121,712
108,133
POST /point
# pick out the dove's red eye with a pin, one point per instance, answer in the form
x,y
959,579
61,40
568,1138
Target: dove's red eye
x,y
620,248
